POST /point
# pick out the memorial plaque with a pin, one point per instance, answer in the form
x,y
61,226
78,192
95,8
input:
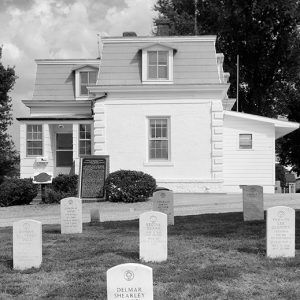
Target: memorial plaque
x,y
93,172
280,232
130,281
163,201
71,215
153,236
253,202
27,244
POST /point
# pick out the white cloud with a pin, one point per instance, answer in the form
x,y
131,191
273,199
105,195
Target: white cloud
x,y
63,29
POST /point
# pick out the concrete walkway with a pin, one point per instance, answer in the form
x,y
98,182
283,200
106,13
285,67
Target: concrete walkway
x,y
184,204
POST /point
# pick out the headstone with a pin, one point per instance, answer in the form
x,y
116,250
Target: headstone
x,y
278,187
163,201
71,215
92,175
27,244
280,232
95,215
153,236
130,281
253,202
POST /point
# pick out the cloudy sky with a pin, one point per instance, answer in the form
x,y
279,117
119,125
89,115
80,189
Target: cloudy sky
x,y
31,29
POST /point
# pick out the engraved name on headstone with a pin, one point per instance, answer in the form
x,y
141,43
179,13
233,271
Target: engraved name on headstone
x,y
253,202
27,244
153,236
71,215
163,201
280,232
130,281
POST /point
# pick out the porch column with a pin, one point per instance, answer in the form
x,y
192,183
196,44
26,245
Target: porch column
x,y
217,140
76,147
99,128
47,148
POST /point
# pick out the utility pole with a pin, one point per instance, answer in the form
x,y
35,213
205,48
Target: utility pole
x,y
195,17
237,81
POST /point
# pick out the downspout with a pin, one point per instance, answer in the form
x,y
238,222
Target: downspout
x,y
93,101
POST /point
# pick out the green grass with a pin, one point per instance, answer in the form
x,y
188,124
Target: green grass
x,y
216,256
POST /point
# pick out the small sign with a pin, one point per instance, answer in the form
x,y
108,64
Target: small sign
x,y
92,175
42,178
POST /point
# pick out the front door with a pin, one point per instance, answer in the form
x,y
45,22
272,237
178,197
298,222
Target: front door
x,y
64,153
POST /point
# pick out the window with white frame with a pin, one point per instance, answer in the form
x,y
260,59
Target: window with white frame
x,y
86,78
34,140
245,141
159,140
157,64
85,140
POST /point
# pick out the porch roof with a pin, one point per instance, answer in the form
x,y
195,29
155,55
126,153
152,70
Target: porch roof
x,y
58,118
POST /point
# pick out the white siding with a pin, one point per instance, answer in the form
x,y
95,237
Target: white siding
x,y
127,139
246,167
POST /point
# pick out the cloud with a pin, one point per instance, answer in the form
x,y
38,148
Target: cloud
x,y
31,29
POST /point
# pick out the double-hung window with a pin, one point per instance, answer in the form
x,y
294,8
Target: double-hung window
x,y
158,65
245,141
87,78
85,141
159,139
34,140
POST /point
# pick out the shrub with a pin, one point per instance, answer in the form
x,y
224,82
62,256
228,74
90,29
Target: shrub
x,y
17,192
65,183
62,186
129,186
53,196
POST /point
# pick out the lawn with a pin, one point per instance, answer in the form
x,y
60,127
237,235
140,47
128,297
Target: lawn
x,y
215,256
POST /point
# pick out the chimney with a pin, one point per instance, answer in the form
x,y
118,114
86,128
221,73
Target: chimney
x,y
163,27
129,34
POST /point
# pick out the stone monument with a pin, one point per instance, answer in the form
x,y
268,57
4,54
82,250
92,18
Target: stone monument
x,y
27,244
71,215
253,202
163,201
280,232
153,236
130,281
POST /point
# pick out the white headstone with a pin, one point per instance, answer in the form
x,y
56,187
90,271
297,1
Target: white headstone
x,y
130,281
163,201
153,236
95,215
280,232
71,215
27,244
253,202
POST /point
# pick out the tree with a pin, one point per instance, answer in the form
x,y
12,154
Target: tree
x,y
265,35
8,154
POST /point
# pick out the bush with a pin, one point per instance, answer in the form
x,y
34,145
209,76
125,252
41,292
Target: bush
x,y
53,196
65,183
62,186
129,186
17,192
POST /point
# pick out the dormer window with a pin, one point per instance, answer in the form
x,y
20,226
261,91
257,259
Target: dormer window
x,y
157,64
87,78
85,75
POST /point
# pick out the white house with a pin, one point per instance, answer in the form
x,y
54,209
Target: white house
x,y
156,104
